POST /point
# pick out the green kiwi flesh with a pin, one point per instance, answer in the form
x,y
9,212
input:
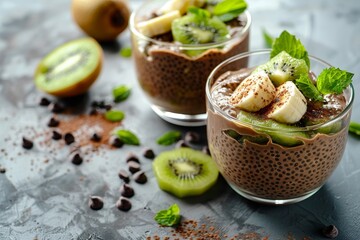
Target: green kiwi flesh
x,y
70,69
283,134
283,67
185,172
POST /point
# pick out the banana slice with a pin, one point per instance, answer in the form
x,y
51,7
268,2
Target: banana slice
x,y
181,5
253,93
158,25
289,105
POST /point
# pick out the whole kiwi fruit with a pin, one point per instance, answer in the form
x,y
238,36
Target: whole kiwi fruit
x,y
103,20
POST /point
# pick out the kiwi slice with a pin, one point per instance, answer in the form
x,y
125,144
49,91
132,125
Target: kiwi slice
x,y
70,69
185,172
280,133
283,67
259,139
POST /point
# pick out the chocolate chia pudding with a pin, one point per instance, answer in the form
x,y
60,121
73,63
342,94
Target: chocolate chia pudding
x,y
258,165
169,72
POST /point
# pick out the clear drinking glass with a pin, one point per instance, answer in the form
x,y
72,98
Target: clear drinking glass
x,y
174,80
265,171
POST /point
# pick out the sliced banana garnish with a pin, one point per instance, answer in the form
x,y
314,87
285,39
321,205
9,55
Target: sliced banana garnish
x,y
253,93
158,25
289,105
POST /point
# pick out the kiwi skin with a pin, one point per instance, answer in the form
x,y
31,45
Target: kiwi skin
x,y
103,20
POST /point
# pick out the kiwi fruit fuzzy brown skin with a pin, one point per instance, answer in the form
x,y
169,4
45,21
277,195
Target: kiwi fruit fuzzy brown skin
x,y
103,20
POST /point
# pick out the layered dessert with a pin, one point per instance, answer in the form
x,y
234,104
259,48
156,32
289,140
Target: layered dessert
x,y
278,130
179,42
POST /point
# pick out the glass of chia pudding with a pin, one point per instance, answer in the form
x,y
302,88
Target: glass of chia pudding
x,y
176,44
274,140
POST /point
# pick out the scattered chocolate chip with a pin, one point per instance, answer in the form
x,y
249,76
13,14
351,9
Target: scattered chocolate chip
x,y
126,191
56,135
206,150
94,104
2,170
330,231
96,203
140,177
123,204
69,138
192,137
93,112
134,166
76,159
44,102
26,143
181,143
149,153
53,122
56,108
107,107
132,158
116,142
124,176
96,137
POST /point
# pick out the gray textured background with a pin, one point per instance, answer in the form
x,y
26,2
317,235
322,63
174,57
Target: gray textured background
x,y
49,200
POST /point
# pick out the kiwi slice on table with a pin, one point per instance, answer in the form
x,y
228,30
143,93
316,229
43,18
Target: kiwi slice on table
x,y
280,133
70,69
185,172
283,67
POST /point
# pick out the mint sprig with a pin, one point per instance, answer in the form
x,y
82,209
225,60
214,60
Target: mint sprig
x,y
128,137
307,87
333,80
201,14
121,93
227,10
354,127
168,217
269,40
114,115
290,44
169,138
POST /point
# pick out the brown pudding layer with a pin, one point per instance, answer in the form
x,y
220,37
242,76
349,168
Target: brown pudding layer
x,y
174,81
267,169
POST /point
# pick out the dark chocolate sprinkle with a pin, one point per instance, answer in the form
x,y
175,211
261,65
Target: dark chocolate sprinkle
x,y
140,177
53,122
44,102
96,203
93,112
330,231
116,142
96,137
132,158
134,166
126,191
2,170
69,138
56,108
107,107
123,204
192,137
149,153
124,176
26,143
76,159
56,135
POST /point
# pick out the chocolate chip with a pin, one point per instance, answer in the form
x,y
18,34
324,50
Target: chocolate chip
x,y
124,176
56,135
149,153
206,150
56,108
26,143
123,204
69,138
107,107
2,170
181,143
140,177
132,158
116,142
96,203
330,231
96,137
94,104
93,112
44,102
134,166
53,122
126,191
76,159
192,137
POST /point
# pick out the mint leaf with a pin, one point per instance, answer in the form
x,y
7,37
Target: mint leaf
x,y
125,52
307,87
290,44
114,115
227,10
121,93
200,13
168,217
169,138
354,127
333,80
269,40
128,137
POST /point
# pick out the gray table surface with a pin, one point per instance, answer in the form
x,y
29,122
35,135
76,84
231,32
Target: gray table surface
x,y
49,200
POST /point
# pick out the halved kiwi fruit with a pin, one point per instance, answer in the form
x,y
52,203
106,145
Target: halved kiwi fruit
x,y
70,69
283,67
185,172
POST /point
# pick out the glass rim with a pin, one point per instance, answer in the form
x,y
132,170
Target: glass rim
x,y
202,46
300,129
